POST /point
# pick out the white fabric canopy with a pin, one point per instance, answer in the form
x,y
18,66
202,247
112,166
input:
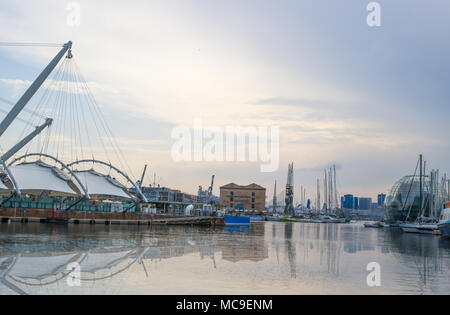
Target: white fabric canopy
x,y
38,178
2,186
97,184
96,261
39,267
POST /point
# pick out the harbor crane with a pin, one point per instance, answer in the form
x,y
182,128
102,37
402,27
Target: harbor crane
x,y
20,105
210,189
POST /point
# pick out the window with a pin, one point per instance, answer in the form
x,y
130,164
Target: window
x,y
253,194
253,206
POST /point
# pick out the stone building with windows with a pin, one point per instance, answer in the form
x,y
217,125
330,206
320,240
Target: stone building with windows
x,y
236,197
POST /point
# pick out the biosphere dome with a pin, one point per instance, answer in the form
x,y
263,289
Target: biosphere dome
x,y
403,200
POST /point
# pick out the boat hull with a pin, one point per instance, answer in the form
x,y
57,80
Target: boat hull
x,y
419,228
230,220
445,229
409,228
257,219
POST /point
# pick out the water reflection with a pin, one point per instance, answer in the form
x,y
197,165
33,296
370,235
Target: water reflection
x,y
265,258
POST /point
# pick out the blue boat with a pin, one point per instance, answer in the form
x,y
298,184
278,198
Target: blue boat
x,y
229,220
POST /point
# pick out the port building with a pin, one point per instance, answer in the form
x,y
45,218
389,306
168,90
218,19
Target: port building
x,y
236,197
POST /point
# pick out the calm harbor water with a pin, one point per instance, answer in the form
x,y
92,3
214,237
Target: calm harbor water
x,y
267,258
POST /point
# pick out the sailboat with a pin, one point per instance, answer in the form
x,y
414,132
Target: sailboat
x,y
426,225
444,222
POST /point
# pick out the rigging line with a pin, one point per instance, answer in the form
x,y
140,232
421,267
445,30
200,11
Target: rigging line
x,y
69,126
31,44
409,190
72,125
57,114
113,141
53,107
91,101
29,111
45,96
83,118
79,108
18,118
92,117
61,112
51,100
65,110
76,119
76,72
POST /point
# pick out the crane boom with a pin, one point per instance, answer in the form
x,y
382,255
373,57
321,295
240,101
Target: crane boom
x,y
210,189
26,140
142,177
22,102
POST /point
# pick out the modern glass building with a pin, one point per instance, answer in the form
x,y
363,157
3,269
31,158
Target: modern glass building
x,y
403,200
365,203
381,199
348,202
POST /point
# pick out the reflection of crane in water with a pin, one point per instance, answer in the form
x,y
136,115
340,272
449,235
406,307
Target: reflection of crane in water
x,y
290,249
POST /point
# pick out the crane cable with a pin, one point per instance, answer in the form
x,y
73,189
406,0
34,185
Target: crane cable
x,y
12,44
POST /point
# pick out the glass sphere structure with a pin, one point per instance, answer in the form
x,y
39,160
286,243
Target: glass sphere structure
x,y
402,203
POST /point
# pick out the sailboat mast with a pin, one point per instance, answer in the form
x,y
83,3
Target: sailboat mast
x,y
421,184
274,204
318,196
335,191
325,191
330,188
448,189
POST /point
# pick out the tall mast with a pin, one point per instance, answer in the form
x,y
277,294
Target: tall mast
x,y
448,189
22,102
325,192
335,192
330,188
274,202
301,195
318,195
421,185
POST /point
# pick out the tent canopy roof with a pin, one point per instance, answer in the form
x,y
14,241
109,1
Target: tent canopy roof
x,y
37,177
98,184
2,186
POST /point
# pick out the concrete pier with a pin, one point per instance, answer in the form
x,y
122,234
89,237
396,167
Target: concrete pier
x,y
104,218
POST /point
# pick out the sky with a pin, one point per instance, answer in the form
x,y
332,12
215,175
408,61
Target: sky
x,y
367,99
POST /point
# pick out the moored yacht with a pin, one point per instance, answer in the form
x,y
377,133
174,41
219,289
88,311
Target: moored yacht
x,y
444,222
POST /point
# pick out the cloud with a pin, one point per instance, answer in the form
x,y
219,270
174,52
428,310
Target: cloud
x,y
366,99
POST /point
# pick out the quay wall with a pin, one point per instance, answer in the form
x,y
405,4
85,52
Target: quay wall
x,y
71,216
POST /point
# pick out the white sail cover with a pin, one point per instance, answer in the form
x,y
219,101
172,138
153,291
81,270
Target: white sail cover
x,y
98,184
35,177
